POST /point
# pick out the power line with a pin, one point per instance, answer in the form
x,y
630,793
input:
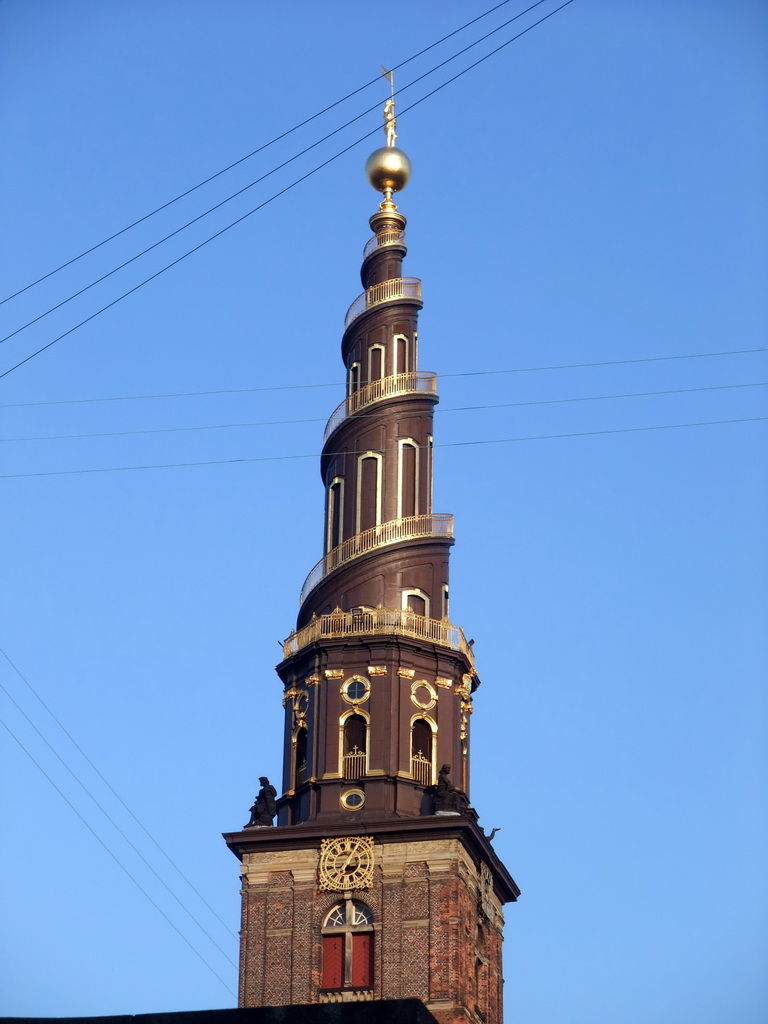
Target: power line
x,y
597,433
603,398
249,186
264,146
119,863
188,224
114,792
114,824
368,412
443,376
277,195
316,455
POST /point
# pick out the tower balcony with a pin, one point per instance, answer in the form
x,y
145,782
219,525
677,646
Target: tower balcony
x,y
392,532
378,294
383,240
378,621
385,387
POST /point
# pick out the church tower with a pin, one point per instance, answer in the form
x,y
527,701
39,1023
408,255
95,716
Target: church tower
x,y
377,881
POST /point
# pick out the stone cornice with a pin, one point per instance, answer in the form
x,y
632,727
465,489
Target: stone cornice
x,y
463,827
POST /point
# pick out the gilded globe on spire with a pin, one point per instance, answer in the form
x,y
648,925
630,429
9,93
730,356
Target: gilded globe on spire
x,y
389,169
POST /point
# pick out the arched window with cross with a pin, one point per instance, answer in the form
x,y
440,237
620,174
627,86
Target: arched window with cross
x,y
348,946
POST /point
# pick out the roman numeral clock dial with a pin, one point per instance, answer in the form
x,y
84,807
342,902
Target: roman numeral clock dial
x,y
346,863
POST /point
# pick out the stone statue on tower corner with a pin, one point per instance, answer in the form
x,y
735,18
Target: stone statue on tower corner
x,y
264,806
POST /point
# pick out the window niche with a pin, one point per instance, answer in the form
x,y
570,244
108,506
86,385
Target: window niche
x,y
375,362
407,478
422,752
354,745
416,601
335,514
300,757
347,934
401,353
369,472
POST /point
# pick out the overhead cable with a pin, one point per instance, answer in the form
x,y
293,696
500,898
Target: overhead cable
x,y
443,376
115,825
115,858
281,192
112,790
247,187
449,444
260,149
365,413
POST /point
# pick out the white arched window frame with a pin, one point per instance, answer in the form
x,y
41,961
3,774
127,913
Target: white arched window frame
x,y
353,378
433,727
299,771
407,442
430,478
400,361
358,501
415,592
358,711
383,351
334,505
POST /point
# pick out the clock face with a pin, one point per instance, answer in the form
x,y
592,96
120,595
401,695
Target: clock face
x,y
346,863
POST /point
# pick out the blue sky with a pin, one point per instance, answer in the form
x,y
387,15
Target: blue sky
x,y
594,194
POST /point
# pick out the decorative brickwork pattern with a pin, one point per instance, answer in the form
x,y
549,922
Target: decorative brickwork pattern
x,y
432,940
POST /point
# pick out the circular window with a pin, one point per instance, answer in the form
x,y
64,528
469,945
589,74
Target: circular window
x,y
423,694
356,690
352,799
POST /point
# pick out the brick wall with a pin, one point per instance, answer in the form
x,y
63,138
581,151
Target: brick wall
x,y
432,941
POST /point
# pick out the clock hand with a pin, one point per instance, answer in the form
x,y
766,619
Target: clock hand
x,y
348,862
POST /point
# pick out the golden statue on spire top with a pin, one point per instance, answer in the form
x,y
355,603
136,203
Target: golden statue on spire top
x,y
388,168
390,123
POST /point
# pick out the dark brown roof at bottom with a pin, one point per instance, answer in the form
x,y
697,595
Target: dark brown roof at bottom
x,y
384,1011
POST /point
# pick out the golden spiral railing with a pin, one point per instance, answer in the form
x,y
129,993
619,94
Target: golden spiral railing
x,y
391,532
383,239
376,390
385,291
378,621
